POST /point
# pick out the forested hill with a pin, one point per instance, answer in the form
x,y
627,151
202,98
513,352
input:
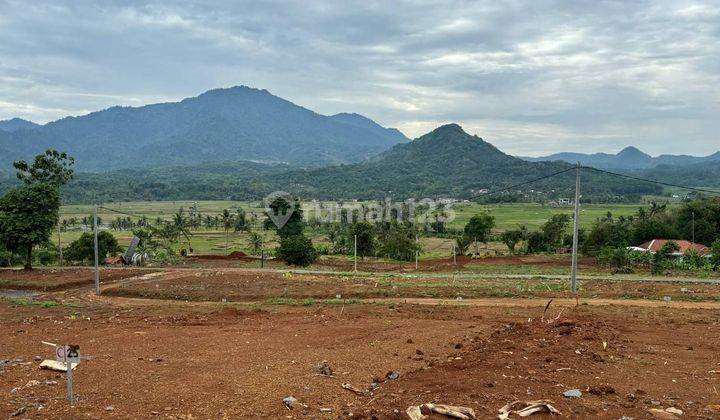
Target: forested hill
x,y
238,123
446,162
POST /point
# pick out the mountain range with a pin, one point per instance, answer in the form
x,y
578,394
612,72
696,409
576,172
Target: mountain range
x,y
630,158
238,123
447,162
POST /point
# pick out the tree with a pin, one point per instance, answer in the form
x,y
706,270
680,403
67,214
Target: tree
x,y
397,241
512,237
256,242
27,217
479,226
297,250
227,221
660,259
52,167
365,238
83,248
715,254
554,231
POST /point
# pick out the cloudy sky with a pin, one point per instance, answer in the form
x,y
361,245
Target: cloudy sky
x,y
532,77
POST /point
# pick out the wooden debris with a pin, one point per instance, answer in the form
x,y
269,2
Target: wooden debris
x,y
415,412
55,365
351,388
526,408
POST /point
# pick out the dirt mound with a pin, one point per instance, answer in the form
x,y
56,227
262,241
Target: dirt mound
x,y
235,255
523,360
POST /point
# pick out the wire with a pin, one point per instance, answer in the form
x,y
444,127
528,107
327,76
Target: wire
x,y
528,182
652,181
122,212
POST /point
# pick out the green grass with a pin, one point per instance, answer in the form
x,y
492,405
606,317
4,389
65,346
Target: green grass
x,y
31,302
507,216
309,301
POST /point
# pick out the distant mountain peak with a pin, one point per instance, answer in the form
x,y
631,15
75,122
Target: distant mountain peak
x,y
233,123
15,124
451,128
632,151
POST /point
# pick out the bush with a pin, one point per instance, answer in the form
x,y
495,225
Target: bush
x,y
297,250
715,254
619,259
83,249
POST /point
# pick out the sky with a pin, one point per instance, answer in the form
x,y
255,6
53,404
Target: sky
x,y
532,77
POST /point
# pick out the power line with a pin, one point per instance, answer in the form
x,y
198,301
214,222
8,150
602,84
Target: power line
x,y
652,181
528,182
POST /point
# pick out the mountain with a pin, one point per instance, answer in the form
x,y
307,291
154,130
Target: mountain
x,y
630,158
703,174
233,124
446,162
16,124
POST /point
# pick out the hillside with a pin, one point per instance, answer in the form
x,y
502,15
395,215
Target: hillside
x,y
447,162
238,123
706,174
630,158
16,124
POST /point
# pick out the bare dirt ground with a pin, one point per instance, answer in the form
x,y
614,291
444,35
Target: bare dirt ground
x,y
247,285
212,361
380,266
167,358
58,278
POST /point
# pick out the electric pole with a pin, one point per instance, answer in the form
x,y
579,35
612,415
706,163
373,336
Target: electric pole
x,y
97,265
576,226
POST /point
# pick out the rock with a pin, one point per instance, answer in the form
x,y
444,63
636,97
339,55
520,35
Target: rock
x,y
419,352
324,368
109,408
661,414
601,390
573,393
458,346
32,383
19,411
290,402
674,410
409,341
37,358
392,375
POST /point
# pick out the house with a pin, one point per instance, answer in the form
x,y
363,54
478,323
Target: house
x,y
656,245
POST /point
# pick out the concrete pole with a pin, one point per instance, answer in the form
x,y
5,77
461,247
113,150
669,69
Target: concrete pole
x,y
576,227
97,264
355,252
416,253
59,244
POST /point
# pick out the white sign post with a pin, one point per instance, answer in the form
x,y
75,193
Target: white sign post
x,y
68,354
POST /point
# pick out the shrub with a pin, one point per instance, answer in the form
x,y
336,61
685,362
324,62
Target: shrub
x,y
83,249
297,250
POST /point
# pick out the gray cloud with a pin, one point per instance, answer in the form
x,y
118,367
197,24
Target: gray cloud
x,y
532,77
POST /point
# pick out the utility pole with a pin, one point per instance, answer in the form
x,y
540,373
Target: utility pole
x,y
262,246
355,263
454,255
576,226
97,265
417,252
693,227
59,244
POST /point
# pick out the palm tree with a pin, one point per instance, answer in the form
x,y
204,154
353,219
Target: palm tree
x,y
227,221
